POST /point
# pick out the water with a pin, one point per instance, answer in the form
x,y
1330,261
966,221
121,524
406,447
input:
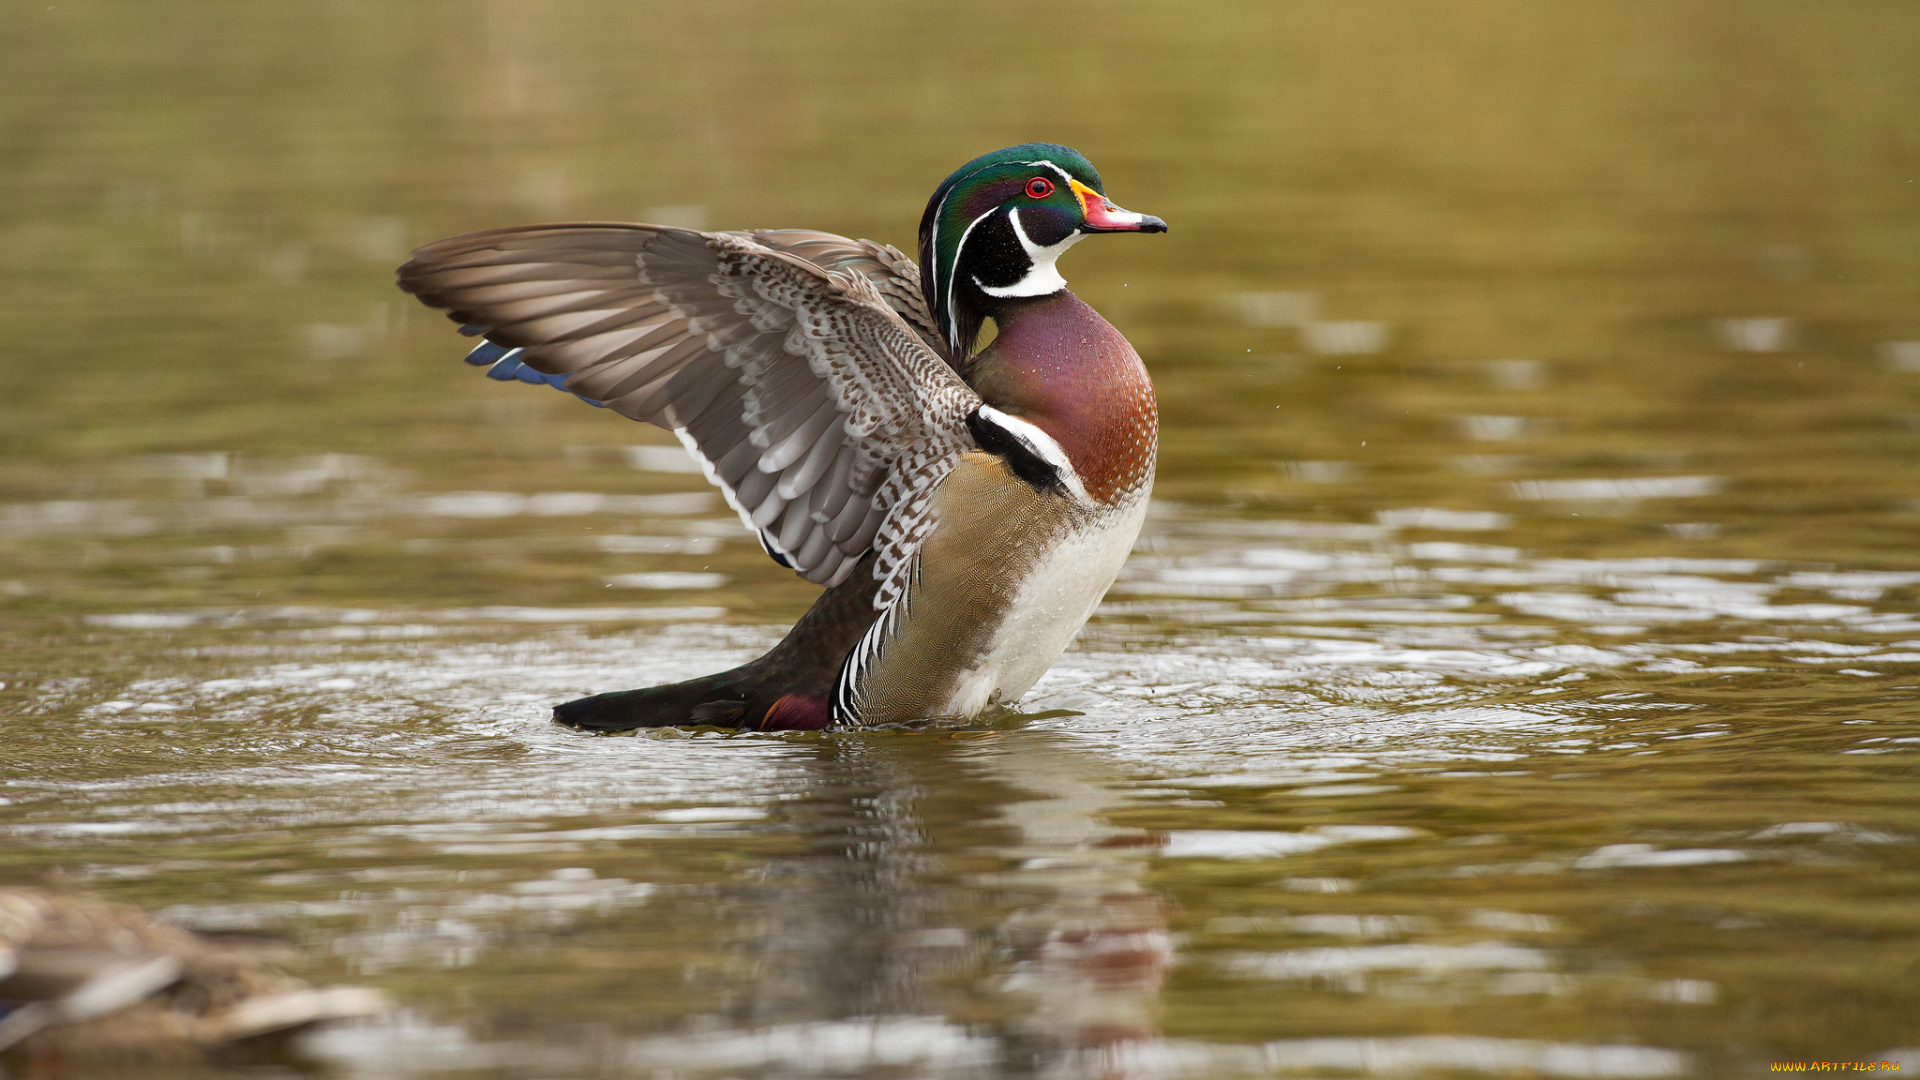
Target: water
x,y
1517,674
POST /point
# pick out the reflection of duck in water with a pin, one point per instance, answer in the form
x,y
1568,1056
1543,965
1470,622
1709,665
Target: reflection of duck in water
x,y
959,900
1091,955
966,511
86,983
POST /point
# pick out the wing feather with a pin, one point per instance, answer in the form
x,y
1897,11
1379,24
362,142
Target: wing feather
x,y
738,462
895,275
792,436
816,549
799,479
795,529
801,368
829,497
755,490
862,537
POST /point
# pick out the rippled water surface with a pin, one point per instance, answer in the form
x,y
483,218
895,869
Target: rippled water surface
x,y
1517,674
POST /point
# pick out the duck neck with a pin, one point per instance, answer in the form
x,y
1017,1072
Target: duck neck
x,y
1058,365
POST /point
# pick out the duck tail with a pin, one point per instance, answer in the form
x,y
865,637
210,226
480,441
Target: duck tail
x,y
786,690
719,700
740,698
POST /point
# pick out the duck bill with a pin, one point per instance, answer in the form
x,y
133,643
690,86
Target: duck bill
x,y
1101,215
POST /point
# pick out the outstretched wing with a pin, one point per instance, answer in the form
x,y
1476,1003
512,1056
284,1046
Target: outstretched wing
x,y
895,275
820,411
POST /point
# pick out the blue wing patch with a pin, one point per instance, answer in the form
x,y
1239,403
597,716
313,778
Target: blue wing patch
x,y
504,364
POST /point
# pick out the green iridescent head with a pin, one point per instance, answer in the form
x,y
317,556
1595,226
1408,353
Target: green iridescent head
x,y
994,229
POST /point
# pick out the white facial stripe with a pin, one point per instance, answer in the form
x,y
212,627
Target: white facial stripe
x,y
953,310
1041,445
1044,278
1050,165
934,251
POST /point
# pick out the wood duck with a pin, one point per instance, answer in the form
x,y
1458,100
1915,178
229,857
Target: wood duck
x,y
966,511
90,986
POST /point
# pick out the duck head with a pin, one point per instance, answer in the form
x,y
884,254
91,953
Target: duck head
x,y
995,228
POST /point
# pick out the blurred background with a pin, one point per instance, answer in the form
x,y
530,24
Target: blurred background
x,y
1540,386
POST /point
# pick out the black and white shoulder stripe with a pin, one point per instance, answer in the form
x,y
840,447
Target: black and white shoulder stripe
x,y
1029,451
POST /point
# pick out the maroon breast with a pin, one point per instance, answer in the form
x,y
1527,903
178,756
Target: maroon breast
x,y
1060,366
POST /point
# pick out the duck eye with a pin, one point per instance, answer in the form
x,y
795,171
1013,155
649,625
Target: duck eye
x,y
1039,187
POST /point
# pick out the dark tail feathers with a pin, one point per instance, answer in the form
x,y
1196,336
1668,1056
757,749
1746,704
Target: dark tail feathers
x,y
787,689
737,699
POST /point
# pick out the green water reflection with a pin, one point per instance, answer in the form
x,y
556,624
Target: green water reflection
x,y
1517,675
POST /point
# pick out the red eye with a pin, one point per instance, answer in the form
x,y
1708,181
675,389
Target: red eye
x,y
1039,187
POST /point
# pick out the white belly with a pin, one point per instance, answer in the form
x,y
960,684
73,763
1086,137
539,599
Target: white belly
x,y
1053,603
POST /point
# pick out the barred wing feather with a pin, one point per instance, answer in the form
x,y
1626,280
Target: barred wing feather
x,y
798,367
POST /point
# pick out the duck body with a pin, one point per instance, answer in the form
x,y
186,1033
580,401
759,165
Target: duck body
x,y
1024,563
98,988
967,511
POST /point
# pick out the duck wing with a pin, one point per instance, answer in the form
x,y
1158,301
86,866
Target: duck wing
x,y
896,276
818,409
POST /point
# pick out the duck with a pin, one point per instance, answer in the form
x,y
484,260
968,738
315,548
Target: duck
x,y
98,986
964,508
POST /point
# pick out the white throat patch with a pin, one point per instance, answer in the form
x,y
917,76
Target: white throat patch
x,y
1044,278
